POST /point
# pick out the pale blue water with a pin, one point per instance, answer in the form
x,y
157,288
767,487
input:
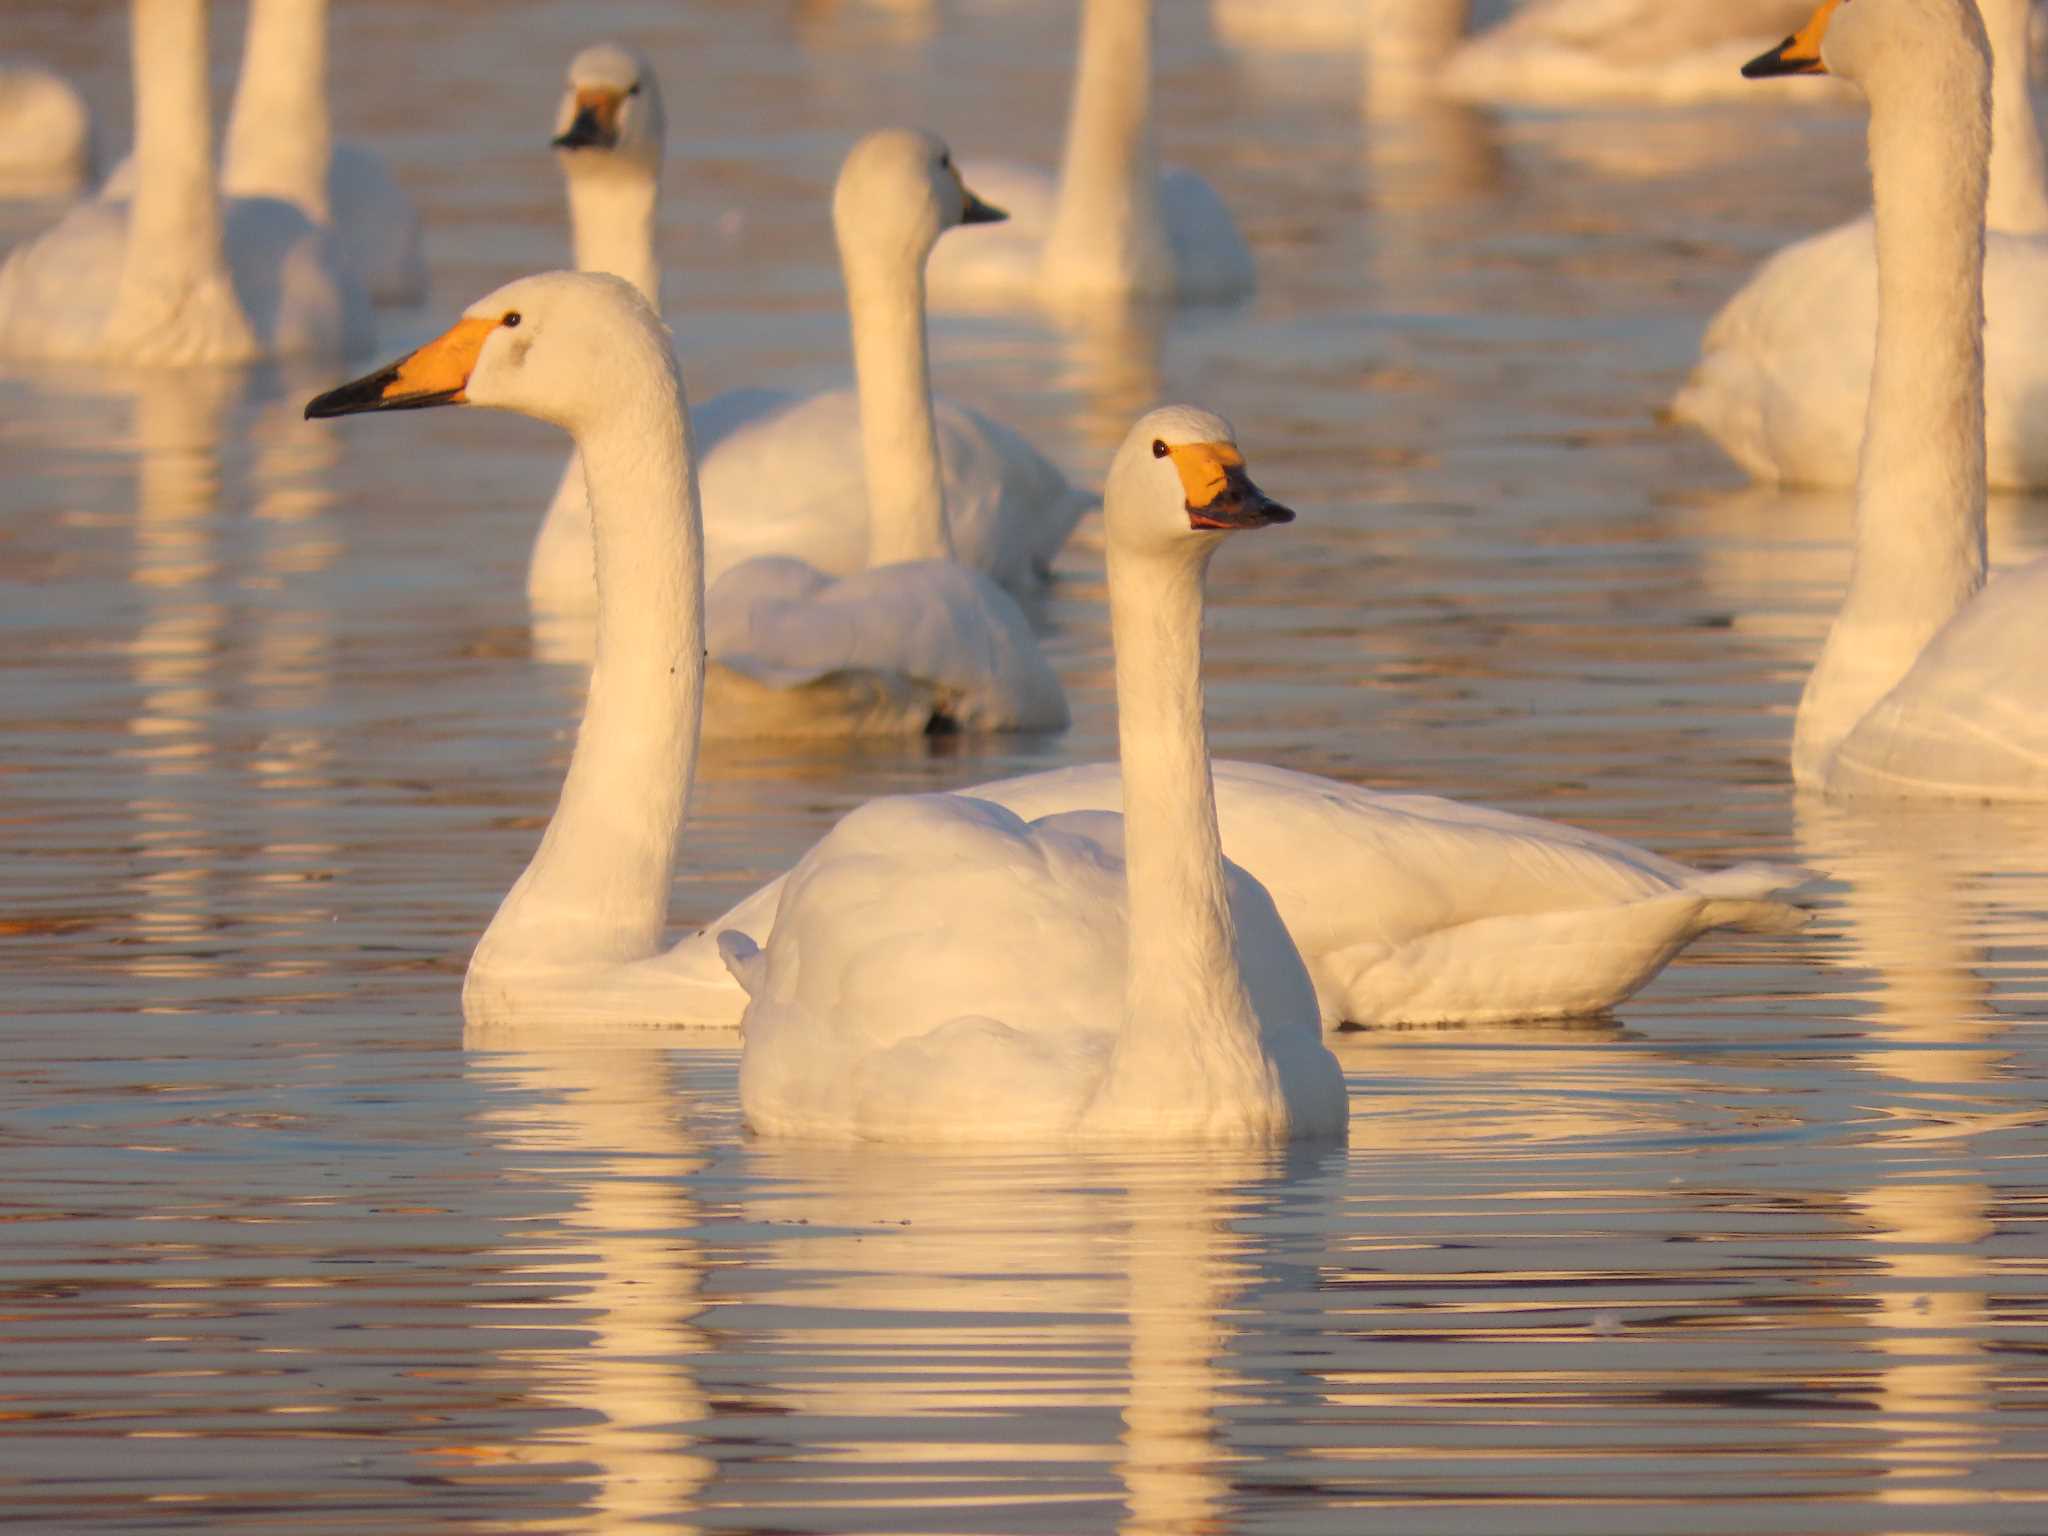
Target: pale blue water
x,y
1762,1254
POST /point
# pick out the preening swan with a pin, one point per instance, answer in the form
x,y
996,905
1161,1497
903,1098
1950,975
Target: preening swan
x,y
942,970
919,638
586,352
1930,682
1784,373
173,274
1113,225
46,138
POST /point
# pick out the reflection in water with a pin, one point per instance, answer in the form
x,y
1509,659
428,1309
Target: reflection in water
x,y
1111,353
608,1125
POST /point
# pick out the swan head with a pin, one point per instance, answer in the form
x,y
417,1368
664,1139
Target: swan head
x,y
565,347
1179,481
611,111
1866,41
898,191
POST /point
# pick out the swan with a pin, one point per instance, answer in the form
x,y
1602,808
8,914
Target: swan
x,y
918,639
1784,371
1930,682
775,466
173,274
46,137
942,970
1113,225
1556,52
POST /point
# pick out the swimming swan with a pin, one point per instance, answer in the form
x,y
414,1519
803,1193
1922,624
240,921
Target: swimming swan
x,y
942,970
781,486
1930,682
1784,373
174,274
918,638
1113,225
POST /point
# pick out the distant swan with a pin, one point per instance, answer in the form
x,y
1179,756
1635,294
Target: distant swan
x,y
1930,682
1784,373
942,971
172,275
1113,225
46,137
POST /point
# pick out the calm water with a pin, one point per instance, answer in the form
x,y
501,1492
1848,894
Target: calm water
x,y
1763,1254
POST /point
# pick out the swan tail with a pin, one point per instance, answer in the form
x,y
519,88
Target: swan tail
x,y
1754,898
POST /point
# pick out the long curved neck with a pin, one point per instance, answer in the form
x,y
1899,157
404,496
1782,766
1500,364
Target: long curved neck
x,y
898,434
612,208
1187,1018
597,889
1109,228
1920,485
2018,201
279,137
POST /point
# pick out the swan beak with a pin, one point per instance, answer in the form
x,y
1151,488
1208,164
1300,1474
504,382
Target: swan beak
x,y
975,211
437,374
1799,54
1220,494
596,124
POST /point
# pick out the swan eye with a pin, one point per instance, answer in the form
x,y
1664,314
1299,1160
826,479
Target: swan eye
x,y
511,320
633,89
946,162
1158,448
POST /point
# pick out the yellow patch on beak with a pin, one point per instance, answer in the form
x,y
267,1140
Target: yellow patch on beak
x,y
1220,494
1799,54
1205,470
442,367
602,103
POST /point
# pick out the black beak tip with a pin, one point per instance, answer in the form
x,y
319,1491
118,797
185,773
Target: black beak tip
x,y
584,133
1275,513
978,212
1767,66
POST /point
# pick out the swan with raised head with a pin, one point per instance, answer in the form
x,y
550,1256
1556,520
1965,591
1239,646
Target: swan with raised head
x,y
1113,225
780,471
1930,682
1784,373
46,137
173,273
942,970
918,639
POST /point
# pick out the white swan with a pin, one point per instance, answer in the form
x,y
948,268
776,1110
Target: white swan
x,y
917,639
1113,225
1556,52
1784,372
942,970
46,137
586,352
172,275
776,467
1930,682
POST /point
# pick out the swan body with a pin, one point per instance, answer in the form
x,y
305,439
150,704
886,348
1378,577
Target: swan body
x,y
1929,682
46,138
1784,371
1113,225
173,274
1556,52
943,971
775,465
917,638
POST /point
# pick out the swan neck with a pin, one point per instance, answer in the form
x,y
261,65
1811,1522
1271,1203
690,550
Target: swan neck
x,y
2018,200
597,890
1920,487
612,205
1109,227
892,375
1182,981
175,231
279,135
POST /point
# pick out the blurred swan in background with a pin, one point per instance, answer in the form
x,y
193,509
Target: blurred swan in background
x,y
941,970
173,274
1784,372
1113,223
46,133
1930,682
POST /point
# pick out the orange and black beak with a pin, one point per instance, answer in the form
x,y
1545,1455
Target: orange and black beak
x,y
437,374
1221,495
596,123
1799,54
978,212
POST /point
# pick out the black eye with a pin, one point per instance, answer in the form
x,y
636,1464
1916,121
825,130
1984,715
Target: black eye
x,y
1158,448
511,320
946,162
633,89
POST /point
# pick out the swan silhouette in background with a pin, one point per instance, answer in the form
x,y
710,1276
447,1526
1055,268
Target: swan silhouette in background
x,y
942,970
1784,372
1112,225
173,274
1931,682
46,133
